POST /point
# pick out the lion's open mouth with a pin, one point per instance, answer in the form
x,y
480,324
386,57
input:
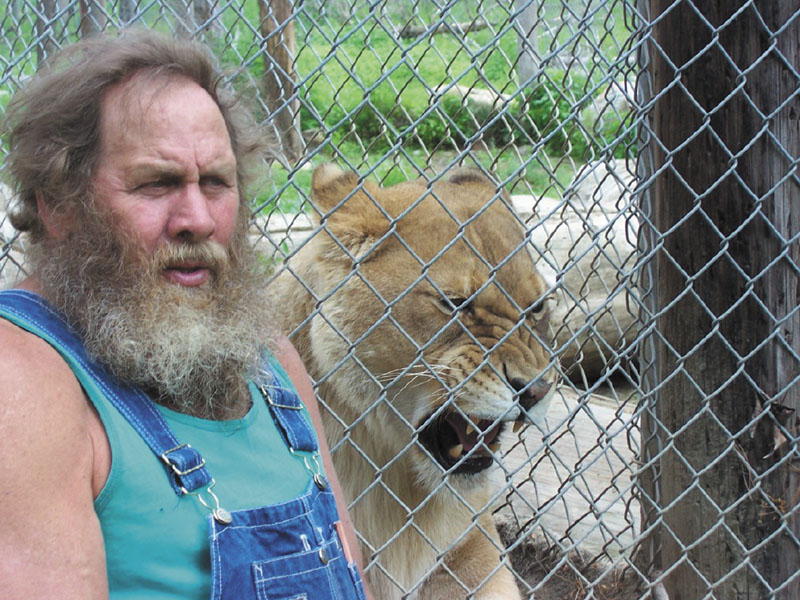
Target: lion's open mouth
x,y
460,446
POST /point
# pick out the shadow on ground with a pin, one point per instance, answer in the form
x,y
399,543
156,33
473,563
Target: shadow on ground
x,y
554,575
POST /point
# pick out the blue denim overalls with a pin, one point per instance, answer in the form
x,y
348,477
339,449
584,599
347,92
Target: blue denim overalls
x,y
287,551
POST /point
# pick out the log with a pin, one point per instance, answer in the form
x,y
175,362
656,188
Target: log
x,y
585,246
414,31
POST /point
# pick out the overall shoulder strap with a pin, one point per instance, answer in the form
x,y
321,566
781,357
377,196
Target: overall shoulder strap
x,y
185,467
285,406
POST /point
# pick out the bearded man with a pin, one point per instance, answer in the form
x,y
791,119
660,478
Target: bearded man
x,y
152,443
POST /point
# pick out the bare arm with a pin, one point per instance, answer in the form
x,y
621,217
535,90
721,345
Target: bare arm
x,y
291,362
51,545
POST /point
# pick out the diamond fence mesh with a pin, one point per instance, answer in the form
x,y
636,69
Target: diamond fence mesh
x,y
649,152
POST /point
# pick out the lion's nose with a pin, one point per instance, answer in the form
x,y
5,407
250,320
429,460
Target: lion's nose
x,y
529,392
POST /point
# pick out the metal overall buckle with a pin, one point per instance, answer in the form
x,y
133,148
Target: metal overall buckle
x,y
310,460
313,467
271,402
221,516
179,472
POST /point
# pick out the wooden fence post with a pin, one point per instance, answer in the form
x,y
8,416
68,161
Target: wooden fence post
x,y
723,228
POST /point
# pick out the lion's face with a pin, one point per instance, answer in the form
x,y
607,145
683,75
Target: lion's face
x,y
442,306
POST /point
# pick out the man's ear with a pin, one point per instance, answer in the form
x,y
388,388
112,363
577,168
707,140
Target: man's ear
x,y
57,223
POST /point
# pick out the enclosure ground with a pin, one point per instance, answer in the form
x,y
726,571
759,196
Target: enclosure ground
x,y
572,499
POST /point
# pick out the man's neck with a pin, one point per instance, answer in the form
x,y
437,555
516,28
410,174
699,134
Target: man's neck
x,y
33,284
234,411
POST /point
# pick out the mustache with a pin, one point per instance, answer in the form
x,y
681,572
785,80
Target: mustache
x,y
207,254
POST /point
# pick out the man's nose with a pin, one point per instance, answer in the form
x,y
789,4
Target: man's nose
x,y
191,219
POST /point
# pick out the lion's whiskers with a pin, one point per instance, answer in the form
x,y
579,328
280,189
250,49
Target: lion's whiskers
x,y
434,372
435,401
419,375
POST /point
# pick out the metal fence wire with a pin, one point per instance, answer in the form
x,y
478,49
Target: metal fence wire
x,y
649,150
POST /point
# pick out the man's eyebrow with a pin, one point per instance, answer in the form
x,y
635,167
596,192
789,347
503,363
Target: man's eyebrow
x,y
222,165
166,169
155,170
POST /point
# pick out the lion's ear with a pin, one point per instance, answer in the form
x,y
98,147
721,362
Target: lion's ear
x,y
470,175
349,209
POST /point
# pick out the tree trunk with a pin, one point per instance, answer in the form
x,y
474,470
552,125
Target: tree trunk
x,y
721,489
45,22
183,25
93,19
127,10
525,24
277,29
205,20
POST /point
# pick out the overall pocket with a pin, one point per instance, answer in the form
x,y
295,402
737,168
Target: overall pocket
x,y
314,574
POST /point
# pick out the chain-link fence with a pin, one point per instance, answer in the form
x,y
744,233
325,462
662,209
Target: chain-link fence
x,y
649,152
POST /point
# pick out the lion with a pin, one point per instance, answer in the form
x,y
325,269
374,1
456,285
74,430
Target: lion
x,y
419,312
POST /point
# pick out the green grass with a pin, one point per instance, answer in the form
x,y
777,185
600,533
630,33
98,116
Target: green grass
x,y
539,176
379,101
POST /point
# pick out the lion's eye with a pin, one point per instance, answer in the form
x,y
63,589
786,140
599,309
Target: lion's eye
x,y
455,303
538,308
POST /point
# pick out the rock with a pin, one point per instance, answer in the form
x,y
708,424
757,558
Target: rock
x,y
12,251
609,109
586,244
480,97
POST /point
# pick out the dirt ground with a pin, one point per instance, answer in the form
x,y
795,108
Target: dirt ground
x,y
556,577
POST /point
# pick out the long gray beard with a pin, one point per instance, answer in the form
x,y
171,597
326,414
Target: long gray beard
x,y
191,349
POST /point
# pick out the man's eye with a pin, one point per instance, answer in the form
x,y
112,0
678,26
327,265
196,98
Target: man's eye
x,y
214,181
157,184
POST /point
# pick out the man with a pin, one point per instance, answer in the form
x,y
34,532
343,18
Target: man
x,y
150,446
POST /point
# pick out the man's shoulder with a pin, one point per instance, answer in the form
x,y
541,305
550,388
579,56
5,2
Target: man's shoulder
x,y
47,466
29,366
24,350
42,403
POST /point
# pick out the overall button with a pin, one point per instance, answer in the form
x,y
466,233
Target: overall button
x,y
323,556
222,516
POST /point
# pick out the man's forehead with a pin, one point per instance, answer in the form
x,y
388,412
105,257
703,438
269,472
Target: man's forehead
x,y
134,94
133,100
144,107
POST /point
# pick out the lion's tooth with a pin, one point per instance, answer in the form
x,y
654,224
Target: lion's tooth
x,y
494,447
470,428
456,451
517,425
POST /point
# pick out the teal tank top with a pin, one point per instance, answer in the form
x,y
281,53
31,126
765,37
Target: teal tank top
x,y
157,541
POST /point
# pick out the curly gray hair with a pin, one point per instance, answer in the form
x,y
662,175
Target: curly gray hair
x,y
52,125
